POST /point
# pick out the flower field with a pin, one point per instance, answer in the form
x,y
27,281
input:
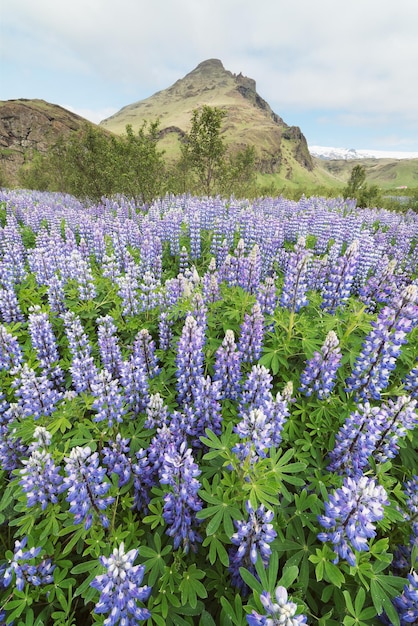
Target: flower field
x,y
208,412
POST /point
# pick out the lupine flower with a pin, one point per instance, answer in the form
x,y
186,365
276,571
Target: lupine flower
x,y
406,604
120,589
45,344
382,345
295,281
148,295
86,486
189,359
279,613
194,233
9,305
128,286
349,516
116,458
12,450
40,479
267,296
36,394
108,400
109,348
381,286
10,352
206,409
24,570
56,296
252,335
181,504
157,412
251,540
337,288
81,272
256,390
82,368
144,352
227,368
320,372
184,260
411,382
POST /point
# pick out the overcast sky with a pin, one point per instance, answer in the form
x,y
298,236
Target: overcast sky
x,y
346,72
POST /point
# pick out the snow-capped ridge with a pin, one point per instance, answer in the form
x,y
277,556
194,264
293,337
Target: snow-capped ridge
x,y
349,154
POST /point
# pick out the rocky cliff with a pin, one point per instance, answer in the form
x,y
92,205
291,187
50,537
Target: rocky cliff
x,y
29,126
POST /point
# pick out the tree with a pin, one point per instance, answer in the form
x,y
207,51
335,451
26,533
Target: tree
x,y
203,149
356,180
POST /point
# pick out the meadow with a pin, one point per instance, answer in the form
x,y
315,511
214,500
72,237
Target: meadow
x,y
208,412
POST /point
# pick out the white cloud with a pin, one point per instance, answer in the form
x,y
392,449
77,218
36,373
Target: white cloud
x,y
356,56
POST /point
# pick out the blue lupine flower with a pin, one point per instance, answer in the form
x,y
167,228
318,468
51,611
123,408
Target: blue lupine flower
x,y
83,369
256,389
144,351
157,412
45,344
181,504
56,295
349,516
86,486
320,372
279,613
36,394
148,294
10,352
24,570
108,400
337,288
382,346
267,296
40,479
251,338
296,278
116,458
128,286
205,411
120,589
109,348
135,385
189,359
251,540
407,603
9,305
411,382
227,367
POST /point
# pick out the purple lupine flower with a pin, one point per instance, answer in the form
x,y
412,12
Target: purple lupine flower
x,y
128,286
135,385
108,400
355,441
165,332
189,359
381,286
406,604
227,367
148,295
9,305
410,382
320,371
249,270
81,272
40,479
280,613
83,369
210,283
296,278
267,296
251,338
116,459
183,260
109,349
36,394
395,418
86,486
10,352
157,412
199,310
144,351
382,346
45,344
349,516
206,408
250,541
182,503
12,450
256,389
56,296
337,288
194,233
22,568
120,589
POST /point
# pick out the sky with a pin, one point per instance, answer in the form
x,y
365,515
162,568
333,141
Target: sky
x,y
345,72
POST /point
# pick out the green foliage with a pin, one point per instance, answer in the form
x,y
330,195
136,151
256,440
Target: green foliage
x,y
204,149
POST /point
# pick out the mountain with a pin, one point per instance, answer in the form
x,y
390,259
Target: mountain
x,y
28,126
349,154
249,119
